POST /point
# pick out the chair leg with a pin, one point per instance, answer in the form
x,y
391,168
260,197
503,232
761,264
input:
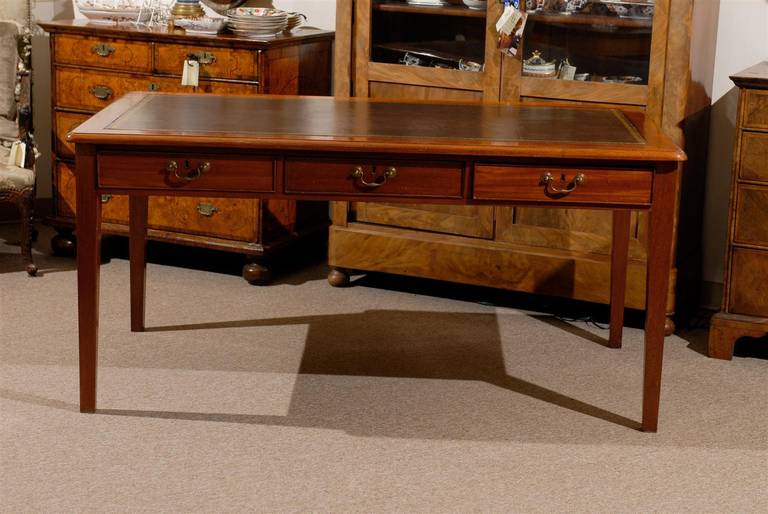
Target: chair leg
x,y
26,209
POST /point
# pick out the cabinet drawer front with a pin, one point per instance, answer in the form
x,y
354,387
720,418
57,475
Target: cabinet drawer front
x,y
748,295
173,85
428,179
112,54
599,186
65,122
191,171
114,208
752,215
227,218
215,62
93,90
754,156
755,109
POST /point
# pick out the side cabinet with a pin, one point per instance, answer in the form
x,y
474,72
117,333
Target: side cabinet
x,y
92,65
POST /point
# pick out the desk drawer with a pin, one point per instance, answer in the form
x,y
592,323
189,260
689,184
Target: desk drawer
x,y
106,53
215,62
428,179
526,183
221,172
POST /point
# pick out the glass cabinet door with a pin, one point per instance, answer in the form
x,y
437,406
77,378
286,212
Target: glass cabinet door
x,y
429,33
593,42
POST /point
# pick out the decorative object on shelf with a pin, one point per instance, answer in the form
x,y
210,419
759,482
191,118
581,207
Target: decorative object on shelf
x,y
631,9
187,9
565,7
115,11
257,22
623,79
204,25
432,3
295,20
476,4
222,6
537,66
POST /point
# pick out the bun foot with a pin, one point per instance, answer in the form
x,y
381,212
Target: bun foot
x,y
31,270
669,327
63,244
257,274
338,277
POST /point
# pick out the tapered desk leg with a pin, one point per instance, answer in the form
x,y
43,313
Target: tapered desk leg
x,y
138,258
659,264
88,261
619,253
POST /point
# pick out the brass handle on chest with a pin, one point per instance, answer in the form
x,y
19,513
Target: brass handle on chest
x,y
106,198
103,50
173,168
389,173
202,57
547,179
101,92
207,209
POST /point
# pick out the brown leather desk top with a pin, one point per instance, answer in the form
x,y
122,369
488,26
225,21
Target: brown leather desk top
x,y
277,122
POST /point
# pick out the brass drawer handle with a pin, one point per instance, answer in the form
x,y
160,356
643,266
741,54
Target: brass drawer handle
x,y
547,179
202,57
207,209
106,198
389,173
103,50
173,167
101,92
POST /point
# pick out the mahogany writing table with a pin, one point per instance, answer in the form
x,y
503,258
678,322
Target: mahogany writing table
x,y
306,148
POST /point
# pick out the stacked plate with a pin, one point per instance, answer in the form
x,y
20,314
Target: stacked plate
x,y
256,22
294,20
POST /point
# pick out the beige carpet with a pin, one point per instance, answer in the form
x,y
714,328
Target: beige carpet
x,y
301,397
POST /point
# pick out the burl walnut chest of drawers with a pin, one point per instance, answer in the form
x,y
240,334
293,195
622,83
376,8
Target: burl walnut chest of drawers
x,y
92,65
745,299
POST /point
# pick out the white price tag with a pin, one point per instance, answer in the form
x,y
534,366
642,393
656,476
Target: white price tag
x,y
190,75
18,154
508,20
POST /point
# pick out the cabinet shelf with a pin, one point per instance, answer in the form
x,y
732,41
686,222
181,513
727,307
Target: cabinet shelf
x,y
449,10
589,19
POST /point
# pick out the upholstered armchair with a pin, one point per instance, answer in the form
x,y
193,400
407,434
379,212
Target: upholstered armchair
x,y
17,178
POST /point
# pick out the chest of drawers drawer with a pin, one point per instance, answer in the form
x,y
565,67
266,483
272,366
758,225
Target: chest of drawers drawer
x,y
104,53
217,63
571,185
114,208
751,226
755,110
754,156
428,179
186,171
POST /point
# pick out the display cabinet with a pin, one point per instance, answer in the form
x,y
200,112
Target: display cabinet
x,y
633,55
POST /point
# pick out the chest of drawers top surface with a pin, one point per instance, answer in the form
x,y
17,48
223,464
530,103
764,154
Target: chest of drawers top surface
x,y
163,35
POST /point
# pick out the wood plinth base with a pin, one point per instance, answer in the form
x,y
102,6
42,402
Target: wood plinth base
x,y
726,328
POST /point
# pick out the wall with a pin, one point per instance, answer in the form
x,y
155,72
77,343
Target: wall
x,y
742,40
